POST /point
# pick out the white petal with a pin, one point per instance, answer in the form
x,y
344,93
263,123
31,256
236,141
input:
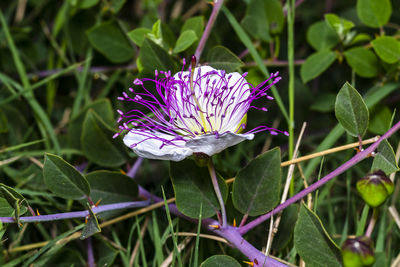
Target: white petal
x,y
150,148
211,145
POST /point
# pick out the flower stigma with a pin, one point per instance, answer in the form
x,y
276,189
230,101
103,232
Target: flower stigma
x,y
202,110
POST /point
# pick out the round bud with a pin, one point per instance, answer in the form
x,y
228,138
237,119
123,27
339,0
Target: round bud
x,y
358,252
375,188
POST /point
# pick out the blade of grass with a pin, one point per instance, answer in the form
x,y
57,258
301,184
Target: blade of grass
x,y
157,240
141,247
196,247
12,148
360,226
257,58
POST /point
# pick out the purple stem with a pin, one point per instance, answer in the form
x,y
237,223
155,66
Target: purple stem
x,y
132,172
354,160
216,8
77,214
90,256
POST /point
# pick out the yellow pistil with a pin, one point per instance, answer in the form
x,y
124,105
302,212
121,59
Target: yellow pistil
x,y
203,121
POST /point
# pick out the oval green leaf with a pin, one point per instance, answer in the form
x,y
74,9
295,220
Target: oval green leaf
x,y
185,40
387,48
313,243
222,58
316,64
63,179
374,13
257,186
351,111
362,61
195,24
275,16
193,189
220,261
320,36
340,25
385,159
137,35
153,57
111,41
97,142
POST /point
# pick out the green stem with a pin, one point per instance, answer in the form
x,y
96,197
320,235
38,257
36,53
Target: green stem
x,y
214,181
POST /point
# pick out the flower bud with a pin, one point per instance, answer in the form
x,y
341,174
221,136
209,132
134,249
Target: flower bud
x,y
375,188
358,252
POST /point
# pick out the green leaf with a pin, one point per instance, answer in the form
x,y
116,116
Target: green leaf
x,y
257,186
111,187
255,21
15,200
185,40
63,179
5,209
351,111
320,36
374,13
3,122
340,25
192,182
385,159
387,48
106,253
98,144
137,35
360,38
316,64
102,107
92,226
286,227
111,41
220,261
275,16
222,58
381,120
313,243
362,61
116,5
153,57
83,4
195,24
324,102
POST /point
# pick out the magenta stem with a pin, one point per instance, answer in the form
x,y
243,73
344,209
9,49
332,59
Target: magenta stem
x,y
90,255
354,160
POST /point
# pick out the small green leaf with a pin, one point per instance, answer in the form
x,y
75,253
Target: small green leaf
x,y
15,200
316,64
385,159
220,57
381,120
111,41
185,40
374,13
195,24
137,35
63,179
387,48
257,186
153,57
362,61
351,111
309,234
275,16
98,144
320,36
193,182
255,21
286,227
220,261
340,25
92,226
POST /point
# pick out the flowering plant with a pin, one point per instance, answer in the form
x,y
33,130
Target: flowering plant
x,y
198,111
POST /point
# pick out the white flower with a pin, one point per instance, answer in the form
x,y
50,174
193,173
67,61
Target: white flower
x,y
202,111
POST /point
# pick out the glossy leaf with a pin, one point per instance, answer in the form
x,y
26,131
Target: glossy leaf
x,y
362,61
374,13
313,243
92,225
321,36
351,111
137,35
153,57
98,144
316,64
63,179
220,261
257,186
387,48
111,41
385,159
192,182
222,58
185,40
